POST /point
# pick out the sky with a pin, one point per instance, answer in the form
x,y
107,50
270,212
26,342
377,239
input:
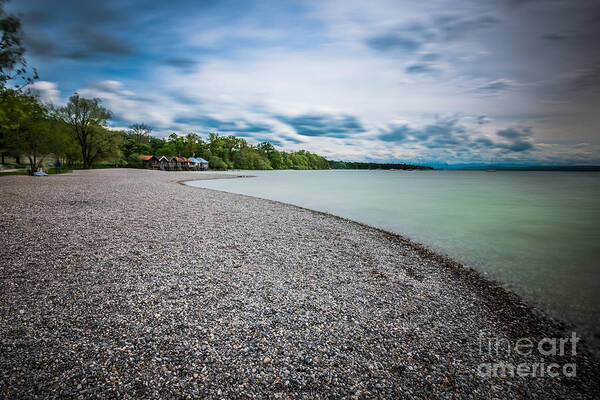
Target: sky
x,y
458,81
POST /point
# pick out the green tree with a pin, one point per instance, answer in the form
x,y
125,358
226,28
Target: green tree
x,y
275,158
155,144
189,144
201,149
109,144
140,133
166,151
132,147
215,144
13,65
26,126
87,118
286,161
63,145
216,163
177,144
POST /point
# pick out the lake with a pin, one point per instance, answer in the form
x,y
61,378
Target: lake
x,y
537,233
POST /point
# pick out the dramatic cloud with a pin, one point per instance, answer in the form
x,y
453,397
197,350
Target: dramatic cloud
x,y
396,134
404,39
237,128
98,43
454,27
419,69
341,126
394,42
448,81
482,120
514,133
495,86
183,63
519,146
452,136
39,44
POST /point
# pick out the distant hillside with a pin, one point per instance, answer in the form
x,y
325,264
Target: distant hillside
x,y
370,165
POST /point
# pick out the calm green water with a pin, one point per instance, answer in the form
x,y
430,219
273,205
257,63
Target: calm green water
x,y
537,232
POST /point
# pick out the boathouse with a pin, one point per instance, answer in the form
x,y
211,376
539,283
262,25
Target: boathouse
x,y
150,162
198,163
163,163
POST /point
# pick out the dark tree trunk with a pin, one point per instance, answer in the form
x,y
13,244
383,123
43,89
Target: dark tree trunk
x,y
87,159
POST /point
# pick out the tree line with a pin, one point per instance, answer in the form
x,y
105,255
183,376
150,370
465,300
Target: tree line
x,y
372,165
78,137
222,152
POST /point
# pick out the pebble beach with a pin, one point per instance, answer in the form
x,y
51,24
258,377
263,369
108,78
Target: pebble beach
x,y
128,283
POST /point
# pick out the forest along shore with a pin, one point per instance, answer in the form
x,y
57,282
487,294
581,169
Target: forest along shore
x,y
125,282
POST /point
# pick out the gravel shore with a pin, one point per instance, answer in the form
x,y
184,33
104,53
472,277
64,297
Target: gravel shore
x,y
125,283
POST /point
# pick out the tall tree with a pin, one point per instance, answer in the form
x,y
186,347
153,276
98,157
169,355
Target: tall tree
x,y
190,141
140,132
176,144
63,144
30,130
12,67
12,62
87,119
